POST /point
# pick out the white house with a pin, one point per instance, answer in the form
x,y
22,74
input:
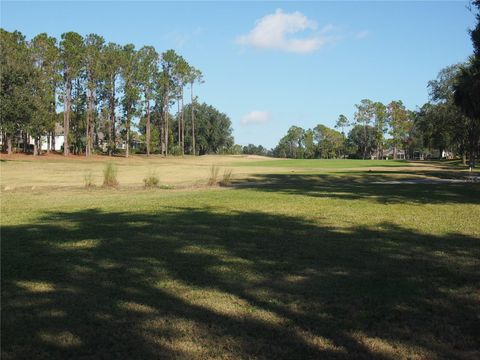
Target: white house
x,y
57,143
59,140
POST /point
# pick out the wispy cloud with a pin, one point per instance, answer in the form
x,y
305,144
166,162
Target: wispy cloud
x,y
275,31
255,117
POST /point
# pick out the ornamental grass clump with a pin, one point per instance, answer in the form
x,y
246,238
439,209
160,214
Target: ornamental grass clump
x,y
110,176
213,178
226,178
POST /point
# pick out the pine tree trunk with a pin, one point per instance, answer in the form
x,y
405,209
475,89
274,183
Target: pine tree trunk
x,y
9,144
183,127
112,135
25,142
93,133
35,146
128,136
160,133
66,117
147,135
166,133
87,132
365,142
165,118
179,127
193,120
53,140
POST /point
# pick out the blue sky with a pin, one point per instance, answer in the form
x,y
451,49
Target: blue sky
x,y
270,65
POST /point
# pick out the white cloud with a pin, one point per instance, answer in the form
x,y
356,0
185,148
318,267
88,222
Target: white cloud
x,y
255,117
274,31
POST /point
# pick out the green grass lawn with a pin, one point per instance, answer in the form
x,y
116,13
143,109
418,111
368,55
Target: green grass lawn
x,y
294,266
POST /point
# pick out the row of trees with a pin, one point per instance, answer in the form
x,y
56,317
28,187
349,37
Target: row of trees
x,y
213,131
103,87
373,122
438,125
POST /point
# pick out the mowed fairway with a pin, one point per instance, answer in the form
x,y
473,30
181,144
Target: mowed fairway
x,y
310,261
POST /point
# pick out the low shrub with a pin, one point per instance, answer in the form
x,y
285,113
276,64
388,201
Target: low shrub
x,y
175,150
151,180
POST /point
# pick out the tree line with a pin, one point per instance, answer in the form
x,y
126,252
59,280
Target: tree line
x,y
102,88
366,138
375,128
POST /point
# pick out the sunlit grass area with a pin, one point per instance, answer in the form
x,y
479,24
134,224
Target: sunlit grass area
x,y
303,265
54,171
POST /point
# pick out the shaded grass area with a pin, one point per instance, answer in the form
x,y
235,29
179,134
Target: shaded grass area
x,y
326,163
297,267
367,186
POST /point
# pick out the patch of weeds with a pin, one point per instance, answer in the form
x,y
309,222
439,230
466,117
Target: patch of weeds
x,y
110,176
151,180
226,178
213,177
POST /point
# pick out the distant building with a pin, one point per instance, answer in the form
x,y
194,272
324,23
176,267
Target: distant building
x,y
56,142
445,154
389,154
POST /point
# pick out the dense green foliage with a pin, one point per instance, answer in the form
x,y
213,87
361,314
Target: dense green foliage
x,y
467,93
105,89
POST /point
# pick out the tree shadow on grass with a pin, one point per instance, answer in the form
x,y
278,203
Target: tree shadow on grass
x,y
365,186
198,283
414,173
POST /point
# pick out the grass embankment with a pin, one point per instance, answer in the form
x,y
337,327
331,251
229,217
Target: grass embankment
x,y
296,266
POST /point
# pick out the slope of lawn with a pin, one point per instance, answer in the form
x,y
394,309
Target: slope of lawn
x,y
307,266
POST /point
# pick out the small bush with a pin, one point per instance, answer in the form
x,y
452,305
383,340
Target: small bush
x,y
151,180
213,178
110,176
88,181
226,178
175,150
